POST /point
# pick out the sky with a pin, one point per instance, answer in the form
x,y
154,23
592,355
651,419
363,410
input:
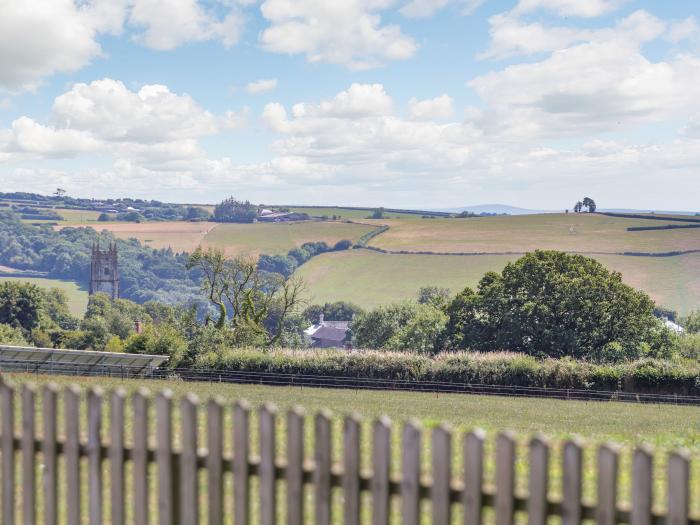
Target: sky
x,y
399,103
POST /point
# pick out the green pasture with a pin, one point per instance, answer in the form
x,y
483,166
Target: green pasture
x,y
77,297
370,278
279,237
70,217
553,231
345,213
664,427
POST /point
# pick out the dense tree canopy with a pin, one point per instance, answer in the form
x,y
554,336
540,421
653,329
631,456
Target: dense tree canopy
x,y
232,210
553,304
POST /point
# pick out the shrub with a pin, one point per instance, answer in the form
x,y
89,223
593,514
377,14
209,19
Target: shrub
x,y
10,335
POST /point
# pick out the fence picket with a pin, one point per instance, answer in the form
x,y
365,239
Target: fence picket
x,y
473,452
241,453
7,403
28,456
606,508
71,401
116,457
141,403
322,469
572,488
295,467
49,454
189,476
642,482
442,476
678,496
268,492
215,471
505,478
410,474
167,486
351,470
381,469
94,452
539,481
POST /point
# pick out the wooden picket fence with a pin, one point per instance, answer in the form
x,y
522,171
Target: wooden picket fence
x,y
174,472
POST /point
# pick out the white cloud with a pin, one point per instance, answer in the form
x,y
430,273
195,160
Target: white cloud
x,y
262,85
684,30
347,32
172,23
436,108
578,8
427,8
43,37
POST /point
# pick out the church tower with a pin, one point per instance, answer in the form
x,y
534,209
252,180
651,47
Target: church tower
x,y
104,274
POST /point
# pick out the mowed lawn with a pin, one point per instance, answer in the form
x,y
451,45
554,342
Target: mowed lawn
x,y
523,233
280,237
664,427
370,279
77,298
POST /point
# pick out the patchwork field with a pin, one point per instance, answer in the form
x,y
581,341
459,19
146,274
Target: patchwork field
x,y
279,238
566,232
370,278
77,298
70,217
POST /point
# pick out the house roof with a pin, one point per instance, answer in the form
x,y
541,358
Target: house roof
x,y
337,325
329,333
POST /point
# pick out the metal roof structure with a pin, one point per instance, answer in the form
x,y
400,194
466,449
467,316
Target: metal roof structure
x,y
20,358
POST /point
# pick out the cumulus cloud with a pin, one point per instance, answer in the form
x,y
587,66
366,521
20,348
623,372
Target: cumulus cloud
x,y
427,8
43,37
172,23
687,29
436,108
262,86
578,8
347,32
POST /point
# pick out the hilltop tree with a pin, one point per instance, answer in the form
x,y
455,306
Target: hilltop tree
x,y
578,206
553,304
589,204
232,210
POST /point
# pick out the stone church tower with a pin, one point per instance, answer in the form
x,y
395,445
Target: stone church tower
x,y
104,273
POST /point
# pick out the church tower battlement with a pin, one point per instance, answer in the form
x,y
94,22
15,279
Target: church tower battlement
x,y
104,271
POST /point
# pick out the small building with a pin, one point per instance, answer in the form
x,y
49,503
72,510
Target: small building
x,y
328,334
280,216
674,327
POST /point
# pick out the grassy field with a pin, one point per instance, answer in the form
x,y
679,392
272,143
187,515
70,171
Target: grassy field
x,y
70,217
345,213
77,298
370,278
279,238
566,232
665,428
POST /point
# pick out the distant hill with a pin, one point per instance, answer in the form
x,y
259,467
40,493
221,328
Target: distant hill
x,y
496,208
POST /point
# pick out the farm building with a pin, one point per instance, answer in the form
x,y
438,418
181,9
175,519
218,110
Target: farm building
x,y
328,334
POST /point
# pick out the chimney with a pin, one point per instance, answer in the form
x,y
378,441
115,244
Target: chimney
x,y
137,327
320,319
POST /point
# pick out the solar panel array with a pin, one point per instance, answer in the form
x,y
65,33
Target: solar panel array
x,y
51,360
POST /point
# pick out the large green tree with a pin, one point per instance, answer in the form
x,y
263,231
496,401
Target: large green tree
x,y
553,304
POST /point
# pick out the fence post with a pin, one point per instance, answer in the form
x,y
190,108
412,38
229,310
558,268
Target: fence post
x,y
410,474
642,486
140,457
473,452
678,496
241,453
28,455
295,467
351,470
539,481
381,469
116,457
440,492
71,400
8,453
322,469
505,478
189,476
215,471
94,451
606,508
268,493
167,485
49,456
572,488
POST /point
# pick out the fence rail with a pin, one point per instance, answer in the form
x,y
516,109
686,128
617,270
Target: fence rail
x,y
358,383
176,472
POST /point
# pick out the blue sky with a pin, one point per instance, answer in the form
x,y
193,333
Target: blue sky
x,y
401,103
